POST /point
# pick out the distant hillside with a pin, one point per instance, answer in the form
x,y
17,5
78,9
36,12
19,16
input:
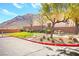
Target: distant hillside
x,y
19,21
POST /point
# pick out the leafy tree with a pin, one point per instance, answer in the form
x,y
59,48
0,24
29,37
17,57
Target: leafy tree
x,y
73,13
31,22
42,21
52,12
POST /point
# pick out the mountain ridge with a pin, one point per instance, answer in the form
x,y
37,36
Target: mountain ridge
x,y
19,21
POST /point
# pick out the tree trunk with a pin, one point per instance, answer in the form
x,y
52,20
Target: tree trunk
x,y
42,27
52,30
76,27
31,27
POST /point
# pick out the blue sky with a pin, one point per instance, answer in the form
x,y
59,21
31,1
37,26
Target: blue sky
x,y
11,10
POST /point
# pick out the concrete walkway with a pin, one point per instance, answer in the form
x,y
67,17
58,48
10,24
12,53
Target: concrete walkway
x,y
10,46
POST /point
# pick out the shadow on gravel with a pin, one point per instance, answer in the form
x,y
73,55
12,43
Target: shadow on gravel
x,y
68,53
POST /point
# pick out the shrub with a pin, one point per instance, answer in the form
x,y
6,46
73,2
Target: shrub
x,y
41,39
48,39
44,37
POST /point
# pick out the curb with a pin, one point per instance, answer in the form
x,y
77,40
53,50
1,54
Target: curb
x,y
51,44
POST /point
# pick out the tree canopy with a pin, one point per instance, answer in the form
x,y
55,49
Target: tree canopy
x,y
54,11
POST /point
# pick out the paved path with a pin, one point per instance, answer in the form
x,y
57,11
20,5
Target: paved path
x,y
10,46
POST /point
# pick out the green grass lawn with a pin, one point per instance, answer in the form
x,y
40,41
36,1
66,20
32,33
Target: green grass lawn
x,y
22,34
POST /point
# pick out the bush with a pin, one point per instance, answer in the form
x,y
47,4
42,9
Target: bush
x,y
22,30
44,31
41,39
48,39
44,37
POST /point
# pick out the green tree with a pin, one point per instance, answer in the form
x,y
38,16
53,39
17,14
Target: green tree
x,y
53,9
42,21
73,13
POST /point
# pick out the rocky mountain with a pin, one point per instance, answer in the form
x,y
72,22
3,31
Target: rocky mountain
x,y
19,21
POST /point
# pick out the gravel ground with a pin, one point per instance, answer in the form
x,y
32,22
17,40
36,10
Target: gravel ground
x,y
10,46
